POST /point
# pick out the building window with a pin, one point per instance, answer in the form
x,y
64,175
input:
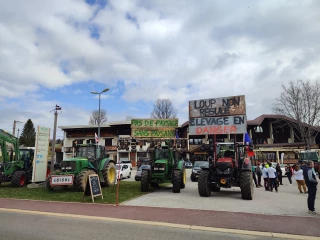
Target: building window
x,y
142,154
91,141
108,142
77,141
123,156
195,141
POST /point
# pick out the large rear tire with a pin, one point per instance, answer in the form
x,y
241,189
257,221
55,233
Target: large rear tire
x,y
109,175
203,184
82,178
19,179
176,181
144,185
183,178
246,185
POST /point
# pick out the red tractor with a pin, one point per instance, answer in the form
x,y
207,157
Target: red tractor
x,y
231,169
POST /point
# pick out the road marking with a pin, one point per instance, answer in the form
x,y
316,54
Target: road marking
x,y
164,224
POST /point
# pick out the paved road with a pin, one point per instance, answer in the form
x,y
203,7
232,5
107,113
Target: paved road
x,y
16,226
189,217
287,202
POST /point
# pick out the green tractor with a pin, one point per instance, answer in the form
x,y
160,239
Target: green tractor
x,y
166,166
16,164
90,159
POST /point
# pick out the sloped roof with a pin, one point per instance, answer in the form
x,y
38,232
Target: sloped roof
x,y
262,117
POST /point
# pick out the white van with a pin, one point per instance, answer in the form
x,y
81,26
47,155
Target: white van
x,y
123,171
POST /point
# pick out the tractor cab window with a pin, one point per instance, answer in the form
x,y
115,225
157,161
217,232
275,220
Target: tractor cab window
x,y
161,153
86,152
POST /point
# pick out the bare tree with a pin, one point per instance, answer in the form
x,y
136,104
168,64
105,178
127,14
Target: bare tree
x,y
94,118
163,108
300,101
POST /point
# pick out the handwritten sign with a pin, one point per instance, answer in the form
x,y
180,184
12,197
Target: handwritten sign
x,y
218,125
226,106
93,187
154,123
153,128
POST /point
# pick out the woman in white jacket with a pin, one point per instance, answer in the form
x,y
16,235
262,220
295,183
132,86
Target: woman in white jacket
x,y
298,174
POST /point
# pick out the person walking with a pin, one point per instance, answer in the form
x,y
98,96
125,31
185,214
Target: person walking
x,y
289,173
265,177
254,176
312,183
259,174
272,174
279,172
298,175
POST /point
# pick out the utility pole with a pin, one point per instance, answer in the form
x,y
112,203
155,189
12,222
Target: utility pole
x,y
14,127
54,136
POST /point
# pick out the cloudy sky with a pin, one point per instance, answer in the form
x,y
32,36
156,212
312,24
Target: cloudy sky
x,y
57,52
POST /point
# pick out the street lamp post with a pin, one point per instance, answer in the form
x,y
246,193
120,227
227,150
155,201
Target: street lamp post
x,y
99,93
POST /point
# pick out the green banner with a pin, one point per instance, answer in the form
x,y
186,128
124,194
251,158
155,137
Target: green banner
x,y
156,133
155,123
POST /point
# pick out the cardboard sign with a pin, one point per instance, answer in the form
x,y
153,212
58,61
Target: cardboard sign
x,y
213,107
93,187
61,180
218,125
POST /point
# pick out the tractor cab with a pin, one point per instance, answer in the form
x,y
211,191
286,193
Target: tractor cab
x,y
27,155
94,153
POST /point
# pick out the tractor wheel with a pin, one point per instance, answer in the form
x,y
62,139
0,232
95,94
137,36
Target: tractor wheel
x,y
109,175
19,179
48,180
193,178
144,185
176,181
82,178
183,178
246,185
203,184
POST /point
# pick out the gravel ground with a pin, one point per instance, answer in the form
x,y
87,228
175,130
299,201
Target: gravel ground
x,y
287,202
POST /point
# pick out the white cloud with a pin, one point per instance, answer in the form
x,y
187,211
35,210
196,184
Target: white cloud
x,y
180,50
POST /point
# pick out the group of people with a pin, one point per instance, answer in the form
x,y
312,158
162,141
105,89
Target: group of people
x,y
271,176
305,176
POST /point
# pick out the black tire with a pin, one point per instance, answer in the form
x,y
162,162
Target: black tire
x,y
82,178
19,179
176,181
129,175
203,184
144,185
246,185
183,178
109,175
193,178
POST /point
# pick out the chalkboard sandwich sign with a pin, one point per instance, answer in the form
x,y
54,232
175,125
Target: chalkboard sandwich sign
x,y
93,187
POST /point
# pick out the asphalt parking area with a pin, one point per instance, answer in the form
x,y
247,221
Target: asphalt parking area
x,y
287,202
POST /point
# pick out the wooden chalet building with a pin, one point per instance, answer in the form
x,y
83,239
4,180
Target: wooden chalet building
x,y
273,138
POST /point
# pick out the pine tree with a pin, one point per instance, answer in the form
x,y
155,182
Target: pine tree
x,y
28,135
